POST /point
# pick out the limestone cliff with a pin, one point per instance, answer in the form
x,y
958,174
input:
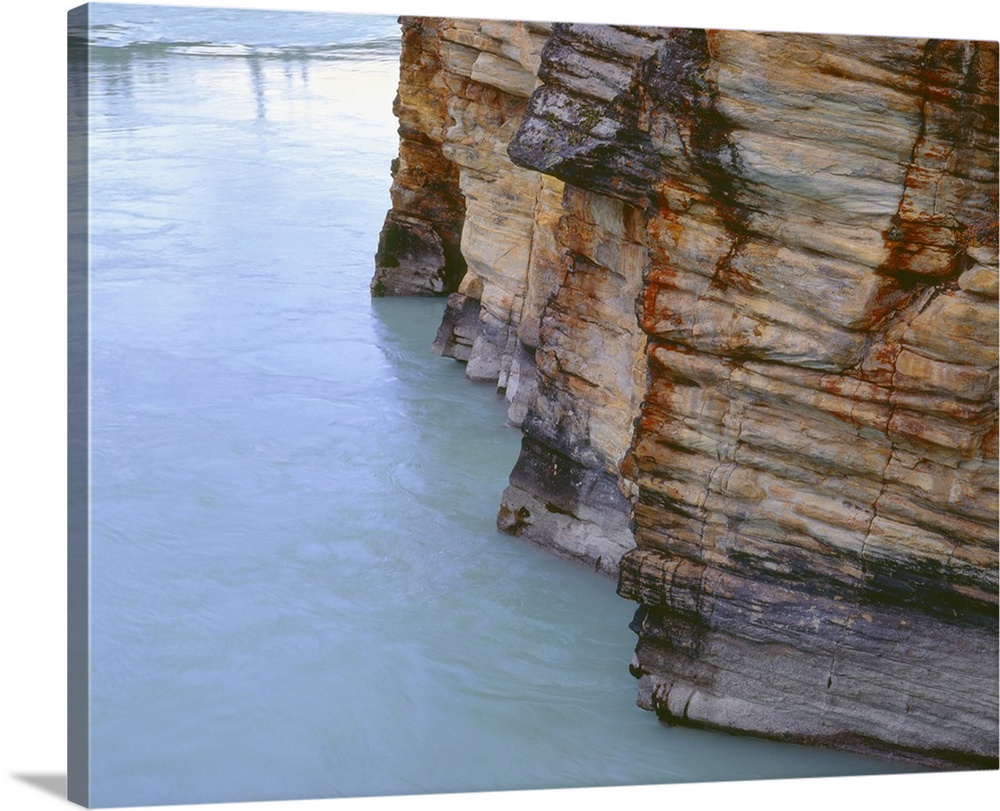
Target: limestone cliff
x,y
418,251
546,308
741,292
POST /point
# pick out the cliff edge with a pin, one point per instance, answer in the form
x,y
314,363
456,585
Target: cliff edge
x,y
740,290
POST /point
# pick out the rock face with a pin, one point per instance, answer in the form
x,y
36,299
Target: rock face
x,y
546,306
418,251
740,290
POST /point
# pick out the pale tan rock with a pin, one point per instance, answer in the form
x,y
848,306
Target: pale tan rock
x,y
958,328
983,254
917,373
746,318
981,279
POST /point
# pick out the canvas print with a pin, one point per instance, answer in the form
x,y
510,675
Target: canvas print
x,y
465,405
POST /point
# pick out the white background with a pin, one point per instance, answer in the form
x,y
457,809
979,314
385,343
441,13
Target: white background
x,y
33,570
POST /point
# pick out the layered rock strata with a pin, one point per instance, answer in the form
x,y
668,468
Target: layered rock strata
x,y
741,291
546,306
418,250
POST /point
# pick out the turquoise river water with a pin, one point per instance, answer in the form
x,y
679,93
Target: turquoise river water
x,y
297,587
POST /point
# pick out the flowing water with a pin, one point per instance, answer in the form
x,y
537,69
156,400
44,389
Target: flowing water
x,y
297,585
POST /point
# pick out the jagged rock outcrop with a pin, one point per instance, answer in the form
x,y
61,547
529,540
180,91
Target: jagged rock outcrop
x,y
546,308
741,290
418,251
